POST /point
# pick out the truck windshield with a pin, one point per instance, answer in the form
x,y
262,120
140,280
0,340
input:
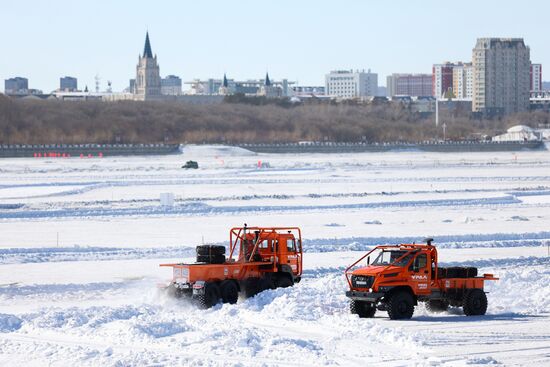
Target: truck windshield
x,y
387,257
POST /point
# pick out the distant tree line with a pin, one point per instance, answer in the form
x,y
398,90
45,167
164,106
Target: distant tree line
x,y
234,121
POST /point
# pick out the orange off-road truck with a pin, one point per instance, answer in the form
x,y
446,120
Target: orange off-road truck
x,y
397,277
259,258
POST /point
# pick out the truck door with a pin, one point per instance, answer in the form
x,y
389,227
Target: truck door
x,y
265,249
289,254
420,274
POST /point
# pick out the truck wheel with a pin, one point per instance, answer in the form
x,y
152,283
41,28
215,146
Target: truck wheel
x,y
400,305
171,291
251,287
265,283
230,292
211,295
437,305
475,303
362,308
284,282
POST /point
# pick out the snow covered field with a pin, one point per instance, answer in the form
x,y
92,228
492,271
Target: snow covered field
x,y
81,240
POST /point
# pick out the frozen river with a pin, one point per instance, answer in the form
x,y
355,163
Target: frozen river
x,y
82,239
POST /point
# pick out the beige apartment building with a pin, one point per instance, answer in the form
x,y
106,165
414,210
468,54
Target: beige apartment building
x,y
463,81
501,76
351,84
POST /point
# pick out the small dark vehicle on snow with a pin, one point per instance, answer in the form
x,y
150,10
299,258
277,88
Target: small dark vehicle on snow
x,y
190,165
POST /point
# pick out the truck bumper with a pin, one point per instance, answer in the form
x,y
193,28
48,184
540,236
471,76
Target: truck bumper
x,y
364,296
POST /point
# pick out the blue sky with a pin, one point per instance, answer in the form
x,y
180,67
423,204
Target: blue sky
x,y
299,40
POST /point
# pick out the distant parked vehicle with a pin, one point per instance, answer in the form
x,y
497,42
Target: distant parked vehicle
x,y
190,164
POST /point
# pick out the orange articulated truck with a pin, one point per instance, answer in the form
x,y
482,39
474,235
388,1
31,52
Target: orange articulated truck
x,y
400,276
259,258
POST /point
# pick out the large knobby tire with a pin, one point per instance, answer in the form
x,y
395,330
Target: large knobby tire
x,y
175,292
210,297
437,305
453,272
460,272
171,291
265,283
475,302
203,259
400,305
217,259
284,282
211,259
229,292
251,287
210,250
362,308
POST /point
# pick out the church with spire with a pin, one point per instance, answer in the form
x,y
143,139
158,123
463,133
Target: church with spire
x,y
224,89
149,86
269,90
148,83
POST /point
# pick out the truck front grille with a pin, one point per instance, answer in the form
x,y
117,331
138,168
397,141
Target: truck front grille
x,y
362,281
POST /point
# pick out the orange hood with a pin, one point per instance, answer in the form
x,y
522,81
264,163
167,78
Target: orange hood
x,y
375,270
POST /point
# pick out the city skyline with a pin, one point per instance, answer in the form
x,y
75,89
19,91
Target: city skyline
x,y
246,39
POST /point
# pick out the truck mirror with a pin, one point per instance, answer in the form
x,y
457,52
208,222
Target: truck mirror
x,y
368,260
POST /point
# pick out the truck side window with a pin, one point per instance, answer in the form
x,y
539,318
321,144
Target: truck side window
x,y
421,261
291,245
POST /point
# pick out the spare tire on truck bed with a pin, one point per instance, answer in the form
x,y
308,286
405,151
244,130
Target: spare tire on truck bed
x,y
210,254
210,250
457,272
214,259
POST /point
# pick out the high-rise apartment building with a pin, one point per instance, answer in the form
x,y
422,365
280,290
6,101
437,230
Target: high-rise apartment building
x,y
147,84
442,79
414,85
501,76
351,84
68,84
536,78
463,81
17,85
452,80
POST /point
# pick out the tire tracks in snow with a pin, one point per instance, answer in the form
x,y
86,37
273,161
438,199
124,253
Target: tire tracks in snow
x,y
199,208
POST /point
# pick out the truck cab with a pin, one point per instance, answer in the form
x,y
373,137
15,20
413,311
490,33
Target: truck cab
x,y
281,249
396,278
